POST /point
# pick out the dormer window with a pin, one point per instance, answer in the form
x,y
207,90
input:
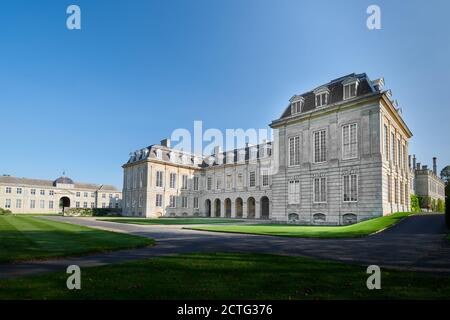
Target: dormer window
x,y
297,105
350,88
241,155
322,97
158,154
253,153
230,157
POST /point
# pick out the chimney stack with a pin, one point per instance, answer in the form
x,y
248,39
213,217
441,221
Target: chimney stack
x,y
435,165
418,165
165,143
414,162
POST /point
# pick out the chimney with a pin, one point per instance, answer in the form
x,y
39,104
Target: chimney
x,y
418,165
435,165
217,150
165,143
424,167
414,162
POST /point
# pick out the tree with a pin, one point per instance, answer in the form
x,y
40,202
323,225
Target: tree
x,y
440,205
445,174
447,205
415,207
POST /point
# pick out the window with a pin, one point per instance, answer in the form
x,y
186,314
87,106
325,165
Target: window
x,y
8,190
51,192
240,180
92,205
230,157
33,191
184,182
184,202
229,181
321,99
389,189
141,200
296,107
7,203
399,153
350,188
77,204
32,204
159,178
78,194
395,190
241,155
92,195
209,183
195,203
172,180
85,194
103,195
294,151
393,147
172,201
158,154
386,143
401,193
319,146
19,190
294,192
42,192
252,179
42,204
218,182
18,203
320,190
50,204
253,153
406,194
196,183
85,205
265,177
350,141
103,205
350,90
159,200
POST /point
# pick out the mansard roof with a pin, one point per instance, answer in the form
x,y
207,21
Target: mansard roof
x,y
336,91
52,183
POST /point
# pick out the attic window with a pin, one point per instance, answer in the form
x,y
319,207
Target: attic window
x,y
350,89
297,106
322,98
158,154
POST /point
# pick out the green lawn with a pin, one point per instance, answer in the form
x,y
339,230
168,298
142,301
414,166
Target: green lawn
x,y
28,237
171,221
228,276
356,230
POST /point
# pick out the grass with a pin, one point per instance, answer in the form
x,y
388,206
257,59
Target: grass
x,y
172,221
355,230
28,237
228,276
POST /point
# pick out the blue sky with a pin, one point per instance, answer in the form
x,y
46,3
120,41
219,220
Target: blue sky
x,y
81,100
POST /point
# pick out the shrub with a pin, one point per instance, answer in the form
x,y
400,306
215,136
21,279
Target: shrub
x,y
4,212
425,202
440,205
92,212
415,207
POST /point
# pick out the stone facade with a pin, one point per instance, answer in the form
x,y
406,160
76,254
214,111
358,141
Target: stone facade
x,y
339,156
23,195
427,183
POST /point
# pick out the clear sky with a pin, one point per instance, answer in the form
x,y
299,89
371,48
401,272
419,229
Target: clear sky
x,y
81,100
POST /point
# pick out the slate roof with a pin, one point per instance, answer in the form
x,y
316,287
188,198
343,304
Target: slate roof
x,y
336,89
51,183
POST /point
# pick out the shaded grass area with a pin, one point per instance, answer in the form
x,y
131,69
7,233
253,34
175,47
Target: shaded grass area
x,y
172,221
228,276
355,230
28,237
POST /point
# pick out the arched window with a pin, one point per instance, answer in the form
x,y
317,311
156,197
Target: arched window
x,y
349,218
293,217
319,218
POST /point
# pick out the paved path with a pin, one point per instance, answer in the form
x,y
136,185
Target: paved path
x,y
417,243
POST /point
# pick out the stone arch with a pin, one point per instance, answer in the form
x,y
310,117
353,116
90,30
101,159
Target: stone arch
x,y
319,218
251,207
208,208
265,207
228,207
349,218
217,208
64,203
239,208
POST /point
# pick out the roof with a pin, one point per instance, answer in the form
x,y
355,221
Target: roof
x,y
64,180
336,91
52,183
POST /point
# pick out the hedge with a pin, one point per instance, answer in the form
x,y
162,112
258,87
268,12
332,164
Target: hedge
x,y
4,212
93,212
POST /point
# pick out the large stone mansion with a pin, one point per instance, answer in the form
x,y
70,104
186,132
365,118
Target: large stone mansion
x,y
340,152
24,195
